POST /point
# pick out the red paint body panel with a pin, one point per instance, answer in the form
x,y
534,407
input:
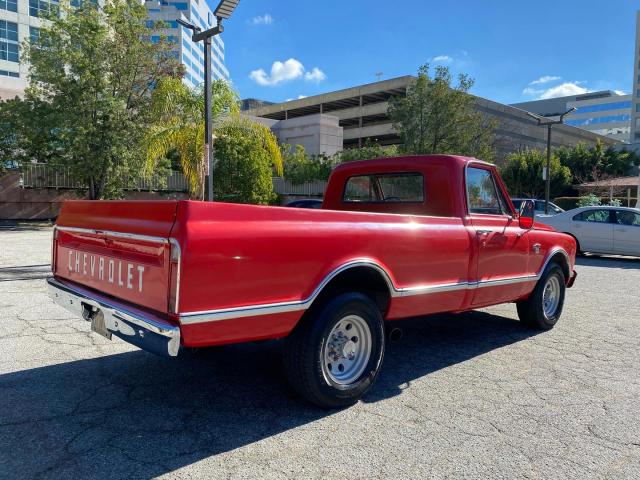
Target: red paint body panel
x,y
236,256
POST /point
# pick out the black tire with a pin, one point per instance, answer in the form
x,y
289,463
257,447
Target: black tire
x,y
532,310
304,351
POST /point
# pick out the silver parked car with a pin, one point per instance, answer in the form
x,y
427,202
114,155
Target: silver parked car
x,y
601,229
539,206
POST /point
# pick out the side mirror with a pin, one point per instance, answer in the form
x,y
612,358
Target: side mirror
x,y
527,214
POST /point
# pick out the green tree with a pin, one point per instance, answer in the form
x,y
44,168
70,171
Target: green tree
x,y
522,173
87,103
369,150
245,152
589,164
437,117
178,126
300,167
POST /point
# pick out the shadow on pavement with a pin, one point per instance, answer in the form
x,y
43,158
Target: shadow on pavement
x,y
609,262
136,415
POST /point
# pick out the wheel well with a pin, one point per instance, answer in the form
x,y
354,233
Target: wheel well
x,y
561,259
366,280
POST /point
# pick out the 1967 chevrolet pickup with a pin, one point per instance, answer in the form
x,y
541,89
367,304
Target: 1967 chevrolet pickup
x,y
395,238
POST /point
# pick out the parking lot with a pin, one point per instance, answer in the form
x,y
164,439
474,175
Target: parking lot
x,y
460,396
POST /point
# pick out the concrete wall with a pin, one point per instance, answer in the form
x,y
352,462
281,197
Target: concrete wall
x,y
316,133
17,203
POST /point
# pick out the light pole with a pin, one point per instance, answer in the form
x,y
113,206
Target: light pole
x,y
548,124
224,10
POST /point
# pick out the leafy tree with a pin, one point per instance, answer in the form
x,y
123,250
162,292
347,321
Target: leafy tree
x,y
300,167
91,73
178,126
245,153
367,151
522,173
591,200
590,164
436,117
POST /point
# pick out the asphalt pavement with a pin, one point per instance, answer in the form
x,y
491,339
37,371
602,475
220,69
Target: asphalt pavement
x,y
472,395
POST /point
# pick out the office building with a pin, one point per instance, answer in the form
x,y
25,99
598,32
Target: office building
x,y
604,112
190,53
19,20
635,89
362,114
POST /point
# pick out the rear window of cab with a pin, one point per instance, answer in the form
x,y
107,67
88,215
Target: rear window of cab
x,y
385,188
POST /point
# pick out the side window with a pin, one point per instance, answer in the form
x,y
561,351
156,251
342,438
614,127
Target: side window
x,y
387,188
595,216
482,196
625,217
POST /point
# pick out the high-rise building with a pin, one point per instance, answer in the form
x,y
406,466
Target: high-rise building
x,y
191,54
605,112
635,89
19,20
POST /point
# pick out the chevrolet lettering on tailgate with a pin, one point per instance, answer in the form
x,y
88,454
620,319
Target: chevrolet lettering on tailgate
x,y
122,274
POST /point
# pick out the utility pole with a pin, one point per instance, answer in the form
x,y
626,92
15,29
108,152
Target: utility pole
x,y
549,124
224,10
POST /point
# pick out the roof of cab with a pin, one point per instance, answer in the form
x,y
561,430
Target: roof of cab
x,y
403,162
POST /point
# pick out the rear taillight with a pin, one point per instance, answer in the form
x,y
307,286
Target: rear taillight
x,y
174,272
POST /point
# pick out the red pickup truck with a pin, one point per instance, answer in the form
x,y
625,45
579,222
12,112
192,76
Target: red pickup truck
x,y
395,238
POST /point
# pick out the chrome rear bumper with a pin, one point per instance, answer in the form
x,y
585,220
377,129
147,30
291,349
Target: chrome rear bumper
x,y
132,325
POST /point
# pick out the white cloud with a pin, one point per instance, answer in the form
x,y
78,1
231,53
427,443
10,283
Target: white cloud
x,y
619,92
564,90
300,97
265,19
545,79
288,70
442,59
315,75
280,72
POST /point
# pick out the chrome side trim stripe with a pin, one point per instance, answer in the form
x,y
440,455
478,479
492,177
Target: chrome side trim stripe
x,y
280,307
111,233
293,306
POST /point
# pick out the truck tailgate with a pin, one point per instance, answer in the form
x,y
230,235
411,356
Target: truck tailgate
x,y
119,248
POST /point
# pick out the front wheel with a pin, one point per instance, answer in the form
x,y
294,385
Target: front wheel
x,y
333,357
543,308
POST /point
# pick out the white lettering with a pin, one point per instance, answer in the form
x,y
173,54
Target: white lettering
x,y
140,271
93,264
101,269
70,260
129,276
111,269
77,262
120,282
84,263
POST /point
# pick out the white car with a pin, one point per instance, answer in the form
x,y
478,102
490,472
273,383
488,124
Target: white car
x,y
538,206
606,230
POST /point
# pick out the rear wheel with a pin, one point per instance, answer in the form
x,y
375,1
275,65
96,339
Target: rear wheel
x,y
333,357
543,308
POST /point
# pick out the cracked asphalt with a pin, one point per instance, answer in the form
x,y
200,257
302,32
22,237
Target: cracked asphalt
x,y
461,396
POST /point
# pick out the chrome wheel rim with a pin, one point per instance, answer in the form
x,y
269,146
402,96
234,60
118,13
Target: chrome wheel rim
x,y
347,350
551,296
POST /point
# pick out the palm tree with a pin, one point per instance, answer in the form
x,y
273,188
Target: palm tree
x,y
179,126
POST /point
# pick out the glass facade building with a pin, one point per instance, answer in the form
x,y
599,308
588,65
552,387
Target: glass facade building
x,y
191,54
635,111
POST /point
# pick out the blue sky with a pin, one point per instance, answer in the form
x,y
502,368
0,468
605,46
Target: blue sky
x,y
516,50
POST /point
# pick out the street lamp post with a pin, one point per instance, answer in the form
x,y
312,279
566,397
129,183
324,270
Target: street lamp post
x,y
548,124
223,11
